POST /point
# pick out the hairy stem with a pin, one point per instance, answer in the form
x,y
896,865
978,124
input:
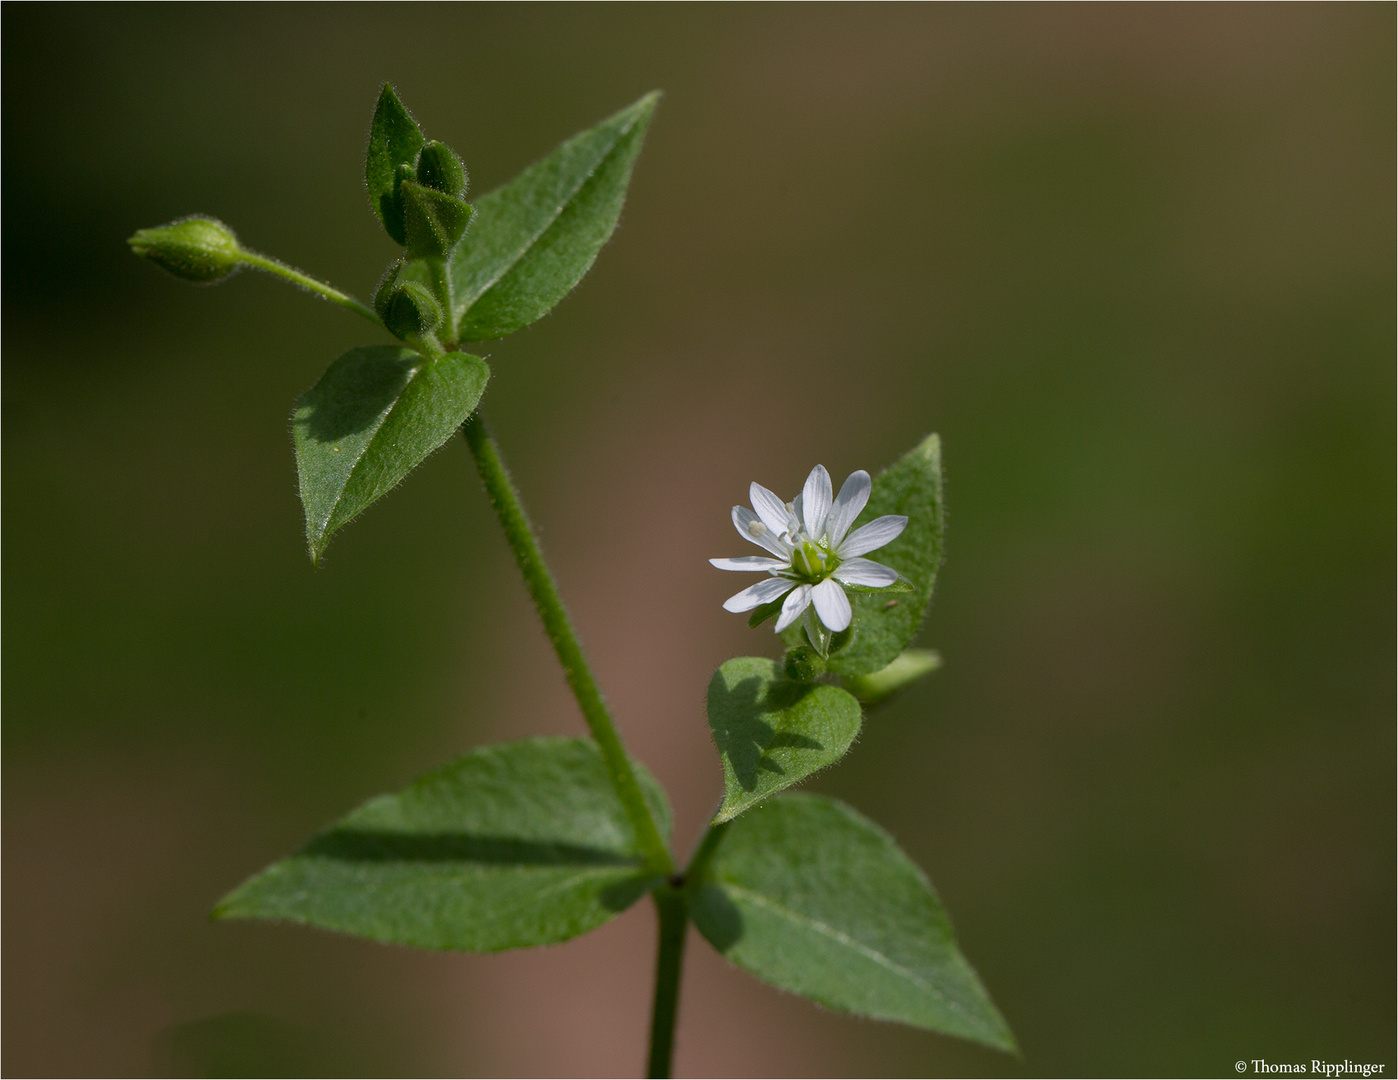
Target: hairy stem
x,y
320,288
673,917
505,499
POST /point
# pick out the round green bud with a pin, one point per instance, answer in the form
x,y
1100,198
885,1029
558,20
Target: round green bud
x,y
804,664
408,309
438,167
194,248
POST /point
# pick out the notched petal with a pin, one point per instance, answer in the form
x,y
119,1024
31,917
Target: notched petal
x,y
815,500
859,571
854,495
832,605
764,592
796,603
769,508
876,534
749,562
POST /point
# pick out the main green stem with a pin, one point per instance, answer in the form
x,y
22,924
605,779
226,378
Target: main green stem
x,y
673,917
505,499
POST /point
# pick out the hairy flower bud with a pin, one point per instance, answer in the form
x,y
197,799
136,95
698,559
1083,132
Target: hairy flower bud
x,y
804,664
194,248
438,167
408,309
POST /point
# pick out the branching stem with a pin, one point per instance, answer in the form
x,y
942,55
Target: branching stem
x,y
505,499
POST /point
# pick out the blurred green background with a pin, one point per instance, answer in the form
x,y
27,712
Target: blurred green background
x,y
1135,264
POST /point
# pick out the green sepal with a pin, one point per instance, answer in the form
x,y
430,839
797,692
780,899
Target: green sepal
x,y
394,142
519,844
814,898
878,686
438,167
374,416
408,309
772,732
433,221
534,238
763,612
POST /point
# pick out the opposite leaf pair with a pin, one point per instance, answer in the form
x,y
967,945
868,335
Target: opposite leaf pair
x,y
526,844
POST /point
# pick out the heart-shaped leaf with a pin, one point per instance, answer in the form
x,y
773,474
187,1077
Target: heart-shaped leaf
x,y
815,898
376,413
534,238
772,732
394,143
519,844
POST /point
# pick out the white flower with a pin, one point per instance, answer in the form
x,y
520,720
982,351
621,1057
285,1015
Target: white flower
x,y
813,555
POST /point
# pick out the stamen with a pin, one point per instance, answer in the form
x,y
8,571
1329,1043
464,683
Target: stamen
x,y
757,528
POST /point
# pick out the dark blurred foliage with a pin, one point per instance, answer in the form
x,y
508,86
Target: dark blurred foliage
x,y
1135,264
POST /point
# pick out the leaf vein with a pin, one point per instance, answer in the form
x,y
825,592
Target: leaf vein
x,y
529,243
840,937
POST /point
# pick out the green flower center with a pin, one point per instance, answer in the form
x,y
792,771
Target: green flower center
x,y
813,563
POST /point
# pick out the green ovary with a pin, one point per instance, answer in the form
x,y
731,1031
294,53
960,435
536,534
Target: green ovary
x,y
813,563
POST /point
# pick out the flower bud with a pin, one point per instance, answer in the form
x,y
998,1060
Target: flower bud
x,y
433,220
408,309
804,664
438,167
194,248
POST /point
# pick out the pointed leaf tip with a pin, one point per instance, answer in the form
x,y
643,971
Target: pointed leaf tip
x,y
508,846
395,140
533,239
812,897
376,414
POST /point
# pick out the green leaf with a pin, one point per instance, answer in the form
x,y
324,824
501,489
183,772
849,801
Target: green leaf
x,y
532,240
772,732
394,142
814,898
886,620
376,413
519,844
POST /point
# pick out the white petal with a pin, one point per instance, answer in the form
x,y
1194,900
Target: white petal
x,y
831,604
874,535
854,493
744,521
750,562
769,508
797,602
764,592
815,501
862,572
